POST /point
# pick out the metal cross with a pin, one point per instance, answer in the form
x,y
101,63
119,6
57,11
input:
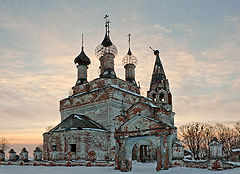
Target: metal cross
x,y
129,38
107,23
105,17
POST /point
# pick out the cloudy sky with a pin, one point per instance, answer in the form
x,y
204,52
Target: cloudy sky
x,y
198,41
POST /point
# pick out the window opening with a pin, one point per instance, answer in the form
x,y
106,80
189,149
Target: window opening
x,y
54,147
73,148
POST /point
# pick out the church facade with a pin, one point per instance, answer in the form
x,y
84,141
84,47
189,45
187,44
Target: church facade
x,y
107,119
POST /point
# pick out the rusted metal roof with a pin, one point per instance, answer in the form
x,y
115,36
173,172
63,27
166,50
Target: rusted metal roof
x,y
78,122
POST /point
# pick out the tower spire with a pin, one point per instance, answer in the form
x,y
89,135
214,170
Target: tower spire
x,y
107,24
82,40
129,49
159,87
158,71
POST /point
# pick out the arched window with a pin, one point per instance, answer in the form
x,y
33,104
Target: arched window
x,y
154,97
161,97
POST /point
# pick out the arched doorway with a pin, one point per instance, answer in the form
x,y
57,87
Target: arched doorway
x,y
143,151
139,149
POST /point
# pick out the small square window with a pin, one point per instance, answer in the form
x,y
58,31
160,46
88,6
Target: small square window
x,y
73,148
54,147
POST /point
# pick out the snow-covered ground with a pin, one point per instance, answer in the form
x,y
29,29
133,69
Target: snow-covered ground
x,y
144,168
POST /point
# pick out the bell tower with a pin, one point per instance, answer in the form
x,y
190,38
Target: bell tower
x,y
159,90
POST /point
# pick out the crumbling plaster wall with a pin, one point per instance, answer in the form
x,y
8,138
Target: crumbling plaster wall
x,y
89,145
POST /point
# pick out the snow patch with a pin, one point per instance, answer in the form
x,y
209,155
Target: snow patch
x,y
144,168
76,116
94,129
235,150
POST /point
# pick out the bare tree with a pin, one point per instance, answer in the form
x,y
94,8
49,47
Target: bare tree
x,y
237,134
192,135
197,137
226,136
208,135
4,144
237,127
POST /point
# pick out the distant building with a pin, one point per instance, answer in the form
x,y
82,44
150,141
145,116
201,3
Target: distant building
x,y
108,119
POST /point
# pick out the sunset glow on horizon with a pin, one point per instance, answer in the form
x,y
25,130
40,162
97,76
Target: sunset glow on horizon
x,y
198,41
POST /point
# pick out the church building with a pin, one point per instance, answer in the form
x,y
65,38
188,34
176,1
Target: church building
x,y
107,119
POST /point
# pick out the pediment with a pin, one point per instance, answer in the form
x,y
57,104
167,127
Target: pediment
x,y
139,123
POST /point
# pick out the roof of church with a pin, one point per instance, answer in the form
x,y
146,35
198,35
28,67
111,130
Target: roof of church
x,y
78,122
82,59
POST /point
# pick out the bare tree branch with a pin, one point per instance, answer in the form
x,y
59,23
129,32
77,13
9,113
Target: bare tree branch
x,y
4,144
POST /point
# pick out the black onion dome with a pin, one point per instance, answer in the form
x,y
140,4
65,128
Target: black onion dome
x,y
82,59
106,41
129,52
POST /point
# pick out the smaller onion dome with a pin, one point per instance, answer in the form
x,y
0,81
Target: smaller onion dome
x,y
129,58
82,59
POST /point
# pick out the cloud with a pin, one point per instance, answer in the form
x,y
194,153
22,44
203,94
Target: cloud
x,y
162,29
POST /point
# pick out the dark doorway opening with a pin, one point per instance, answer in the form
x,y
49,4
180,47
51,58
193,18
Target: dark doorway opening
x,y
144,153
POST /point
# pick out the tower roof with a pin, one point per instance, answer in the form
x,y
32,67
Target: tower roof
x,y
158,71
106,41
82,58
